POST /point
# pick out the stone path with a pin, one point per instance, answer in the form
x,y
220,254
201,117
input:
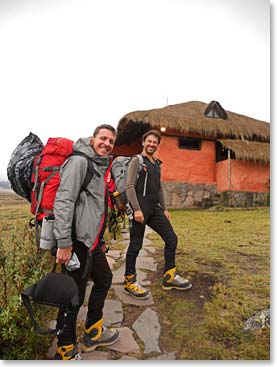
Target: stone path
x,y
142,339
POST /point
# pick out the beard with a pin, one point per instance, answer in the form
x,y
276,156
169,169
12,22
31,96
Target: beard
x,y
149,150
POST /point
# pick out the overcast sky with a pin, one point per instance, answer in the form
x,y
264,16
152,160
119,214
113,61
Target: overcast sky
x,y
69,65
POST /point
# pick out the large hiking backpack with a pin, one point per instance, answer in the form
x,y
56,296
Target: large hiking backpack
x,y
33,171
119,171
46,176
20,165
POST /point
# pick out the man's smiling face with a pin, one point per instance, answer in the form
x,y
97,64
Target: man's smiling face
x,y
150,144
103,142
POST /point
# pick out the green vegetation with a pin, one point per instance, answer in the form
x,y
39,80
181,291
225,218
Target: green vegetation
x,y
21,264
226,254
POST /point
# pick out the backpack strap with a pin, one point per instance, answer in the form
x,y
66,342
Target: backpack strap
x,y
90,170
26,294
141,166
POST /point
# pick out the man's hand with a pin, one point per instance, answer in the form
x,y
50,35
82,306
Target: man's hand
x,y
64,255
138,216
166,213
105,247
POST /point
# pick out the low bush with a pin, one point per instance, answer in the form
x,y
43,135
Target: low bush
x,y
21,264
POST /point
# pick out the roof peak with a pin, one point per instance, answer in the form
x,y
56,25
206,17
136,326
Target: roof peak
x,y
215,110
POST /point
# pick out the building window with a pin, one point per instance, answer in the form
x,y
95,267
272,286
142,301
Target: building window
x,y
222,153
185,142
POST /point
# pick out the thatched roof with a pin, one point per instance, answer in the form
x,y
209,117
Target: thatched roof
x,y
190,118
246,150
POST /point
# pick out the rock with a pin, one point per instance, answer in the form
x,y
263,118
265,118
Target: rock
x,y
146,262
112,313
148,330
126,342
258,321
166,356
95,356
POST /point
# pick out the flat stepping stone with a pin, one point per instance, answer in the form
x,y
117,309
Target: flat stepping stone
x,y
95,355
125,235
112,313
126,342
141,253
52,350
148,230
116,254
150,249
146,262
171,356
111,262
147,242
126,298
128,357
124,242
148,330
118,275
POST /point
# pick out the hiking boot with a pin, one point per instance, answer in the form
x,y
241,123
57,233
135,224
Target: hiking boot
x,y
133,288
97,335
67,352
171,280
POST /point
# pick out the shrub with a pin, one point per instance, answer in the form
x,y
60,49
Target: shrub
x,y
21,264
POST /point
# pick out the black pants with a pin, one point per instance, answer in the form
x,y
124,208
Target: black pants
x,y
156,220
101,275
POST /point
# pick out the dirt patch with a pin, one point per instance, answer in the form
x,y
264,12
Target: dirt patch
x,y
131,313
202,284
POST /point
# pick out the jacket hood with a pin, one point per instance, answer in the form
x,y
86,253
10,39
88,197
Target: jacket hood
x,y
83,145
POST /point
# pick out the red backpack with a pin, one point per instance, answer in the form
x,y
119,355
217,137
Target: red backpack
x,y
46,177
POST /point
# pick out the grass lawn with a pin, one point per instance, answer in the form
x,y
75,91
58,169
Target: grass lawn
x,y
226,255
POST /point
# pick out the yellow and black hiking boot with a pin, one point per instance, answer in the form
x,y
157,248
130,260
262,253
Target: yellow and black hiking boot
x,y
171,280
67,352
133,288
97,335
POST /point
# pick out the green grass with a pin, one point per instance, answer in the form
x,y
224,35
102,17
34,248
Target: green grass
x,y
226,255
21,264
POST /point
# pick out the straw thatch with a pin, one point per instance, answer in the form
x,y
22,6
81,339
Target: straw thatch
x,y
246,150
189,118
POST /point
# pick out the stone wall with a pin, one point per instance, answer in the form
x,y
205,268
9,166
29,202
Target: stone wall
x,y
186,195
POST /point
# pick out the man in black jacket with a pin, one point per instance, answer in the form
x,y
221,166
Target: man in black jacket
x,y
146,197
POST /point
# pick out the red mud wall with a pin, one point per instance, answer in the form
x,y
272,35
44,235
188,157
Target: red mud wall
x,y
245,176
128,150
193,166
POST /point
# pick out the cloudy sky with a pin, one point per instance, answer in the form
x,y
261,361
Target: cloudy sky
x,y
68,65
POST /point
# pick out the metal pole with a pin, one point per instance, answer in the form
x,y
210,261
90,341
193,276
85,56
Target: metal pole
x,y
229,169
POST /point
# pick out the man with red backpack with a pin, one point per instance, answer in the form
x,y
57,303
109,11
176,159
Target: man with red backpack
x,y
80,219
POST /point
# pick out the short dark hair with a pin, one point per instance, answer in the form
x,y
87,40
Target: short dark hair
x,y
104,126
156,133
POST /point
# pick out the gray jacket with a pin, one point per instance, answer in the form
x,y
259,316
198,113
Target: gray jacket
x,y
86,210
